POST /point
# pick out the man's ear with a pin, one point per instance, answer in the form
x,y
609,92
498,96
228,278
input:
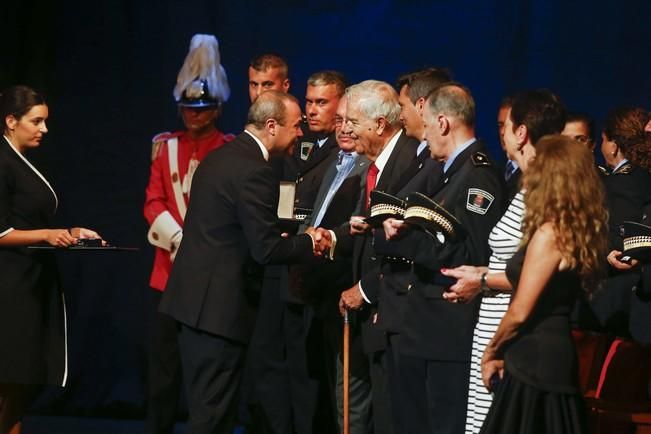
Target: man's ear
x,y
271,126
443,123
381,125
521,134
420,104
286,84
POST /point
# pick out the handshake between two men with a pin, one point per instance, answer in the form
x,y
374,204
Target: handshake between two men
x,y
322,240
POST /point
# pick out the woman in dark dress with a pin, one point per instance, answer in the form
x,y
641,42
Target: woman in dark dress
x,y
32,312
532,354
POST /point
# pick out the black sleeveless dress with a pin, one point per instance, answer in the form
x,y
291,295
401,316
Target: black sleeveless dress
x,y
539,392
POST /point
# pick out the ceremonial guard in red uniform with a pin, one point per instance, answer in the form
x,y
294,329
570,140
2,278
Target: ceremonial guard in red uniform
x,y
201,89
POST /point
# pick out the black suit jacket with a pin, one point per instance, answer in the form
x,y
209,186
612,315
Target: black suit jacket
x,y
231,227
390,181
396,275
365,262
322,283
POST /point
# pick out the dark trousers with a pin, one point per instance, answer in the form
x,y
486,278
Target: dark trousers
x,y
268,396
212,369
394,384
285,386
380,394
434,395
163,370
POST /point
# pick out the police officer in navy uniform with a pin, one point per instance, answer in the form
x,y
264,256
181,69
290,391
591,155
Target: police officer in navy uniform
x,y
436,337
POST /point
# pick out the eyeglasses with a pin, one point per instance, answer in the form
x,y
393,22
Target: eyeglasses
x,y
583,139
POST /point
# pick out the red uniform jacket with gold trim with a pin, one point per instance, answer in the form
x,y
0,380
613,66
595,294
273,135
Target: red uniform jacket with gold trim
x,y
160,195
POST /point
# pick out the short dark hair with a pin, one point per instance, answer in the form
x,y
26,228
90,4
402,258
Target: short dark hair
x,y
17,100
324,78
421,83
453,99
270,60
269,105
506,102
581,117
541,111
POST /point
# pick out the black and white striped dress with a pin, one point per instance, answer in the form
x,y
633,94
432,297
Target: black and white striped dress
x,y
504,241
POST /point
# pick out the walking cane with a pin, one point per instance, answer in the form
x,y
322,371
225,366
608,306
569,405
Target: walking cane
x,y
346,370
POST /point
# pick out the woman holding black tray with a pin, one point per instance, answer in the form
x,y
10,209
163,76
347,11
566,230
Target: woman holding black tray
x,y
32,309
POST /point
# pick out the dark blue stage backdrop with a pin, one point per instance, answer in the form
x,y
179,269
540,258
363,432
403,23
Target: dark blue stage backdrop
x,y
109,67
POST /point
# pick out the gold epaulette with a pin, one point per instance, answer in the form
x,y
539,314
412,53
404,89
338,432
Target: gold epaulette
x,y
624,169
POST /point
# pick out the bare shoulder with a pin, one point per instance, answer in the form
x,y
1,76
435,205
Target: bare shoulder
x,y
545,234
544,243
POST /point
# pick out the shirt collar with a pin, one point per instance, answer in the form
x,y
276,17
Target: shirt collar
x,y
382,159
621,163
421,147
265,152
456,153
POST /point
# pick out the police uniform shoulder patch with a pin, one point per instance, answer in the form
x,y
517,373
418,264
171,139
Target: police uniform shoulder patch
x,y
479,201
480,159
306,150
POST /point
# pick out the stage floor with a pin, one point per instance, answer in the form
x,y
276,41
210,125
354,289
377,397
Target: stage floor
x,y
89,425
81,425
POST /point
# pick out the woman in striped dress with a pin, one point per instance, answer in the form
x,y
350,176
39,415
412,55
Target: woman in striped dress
x,y
533,114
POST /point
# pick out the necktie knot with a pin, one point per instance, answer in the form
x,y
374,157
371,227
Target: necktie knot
x,y
371,180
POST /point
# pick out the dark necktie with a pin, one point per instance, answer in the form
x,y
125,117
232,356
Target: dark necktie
x,y
371,179
510,169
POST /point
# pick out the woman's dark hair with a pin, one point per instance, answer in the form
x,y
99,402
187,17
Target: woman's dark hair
x,y
625,127
17,101
540,111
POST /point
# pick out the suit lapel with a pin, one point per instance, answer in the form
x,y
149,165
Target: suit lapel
x,y
328,178
402,155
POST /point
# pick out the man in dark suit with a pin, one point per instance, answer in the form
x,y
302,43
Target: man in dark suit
x,y
436,336
422,175
283,395
373,120
231,228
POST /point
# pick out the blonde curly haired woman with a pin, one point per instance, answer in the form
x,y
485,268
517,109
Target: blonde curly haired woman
x,y
531,363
